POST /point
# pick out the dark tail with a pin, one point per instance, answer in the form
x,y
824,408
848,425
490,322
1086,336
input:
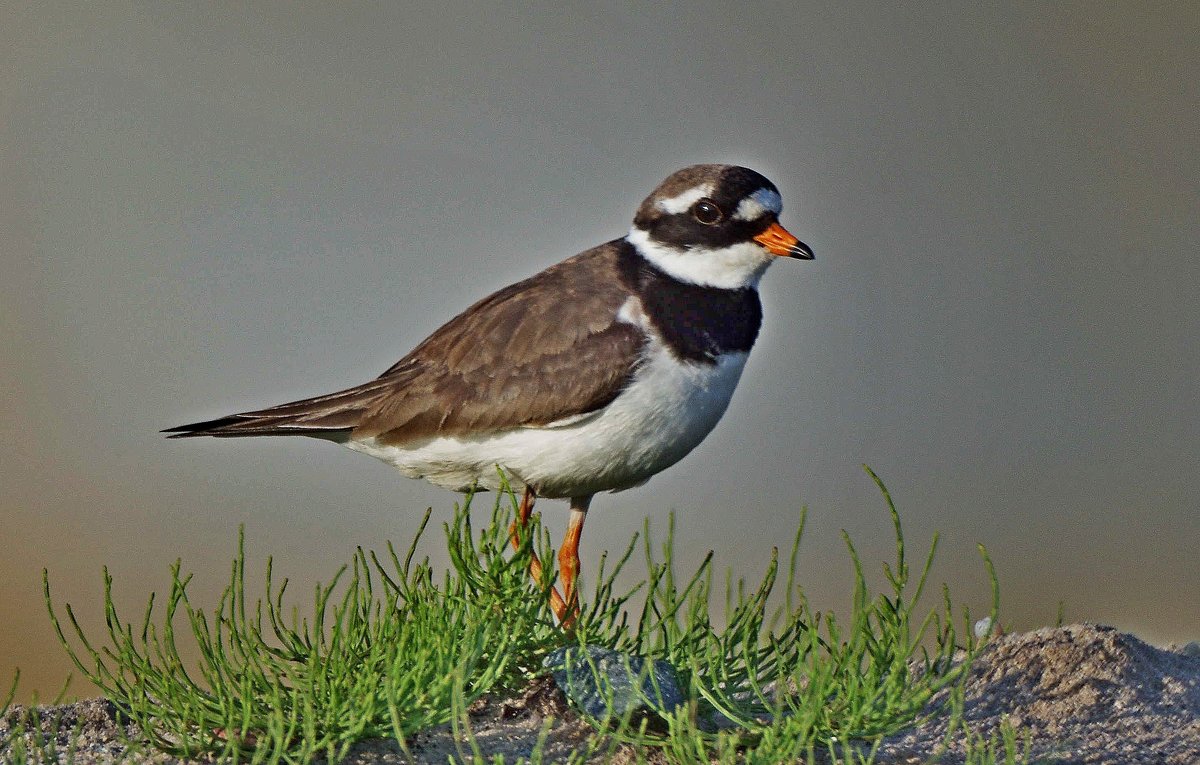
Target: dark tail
x,y
332,417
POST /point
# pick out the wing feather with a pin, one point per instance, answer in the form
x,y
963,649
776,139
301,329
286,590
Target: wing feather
x,y
541,350
544,349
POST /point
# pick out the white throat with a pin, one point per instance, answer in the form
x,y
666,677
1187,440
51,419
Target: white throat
x,y
734,267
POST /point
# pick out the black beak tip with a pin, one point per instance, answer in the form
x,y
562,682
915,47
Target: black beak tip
x,y
801,251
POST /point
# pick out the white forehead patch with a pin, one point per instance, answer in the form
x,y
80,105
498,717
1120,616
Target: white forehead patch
x,y
682,202
758,204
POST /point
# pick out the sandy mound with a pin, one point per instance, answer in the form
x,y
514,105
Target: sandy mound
x,y
1086,694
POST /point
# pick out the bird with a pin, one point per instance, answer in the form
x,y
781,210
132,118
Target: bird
x,y
591,376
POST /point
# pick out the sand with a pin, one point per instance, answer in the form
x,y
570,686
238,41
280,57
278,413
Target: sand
x,y
1084,693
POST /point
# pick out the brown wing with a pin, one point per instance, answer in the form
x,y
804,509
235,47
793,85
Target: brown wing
x,y
538,351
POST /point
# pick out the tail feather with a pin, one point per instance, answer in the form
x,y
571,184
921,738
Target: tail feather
x,y
241,425
332,416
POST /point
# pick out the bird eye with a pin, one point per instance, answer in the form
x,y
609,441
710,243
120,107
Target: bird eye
x,y
707,212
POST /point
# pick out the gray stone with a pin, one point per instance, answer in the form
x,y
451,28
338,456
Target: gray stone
x,y
983,627
602,682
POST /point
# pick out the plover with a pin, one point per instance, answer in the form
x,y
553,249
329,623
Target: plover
x,y
591,376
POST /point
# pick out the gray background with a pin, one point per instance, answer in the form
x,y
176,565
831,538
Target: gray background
x,y
206,208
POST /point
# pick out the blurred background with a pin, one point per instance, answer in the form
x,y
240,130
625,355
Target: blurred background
x,y
206,208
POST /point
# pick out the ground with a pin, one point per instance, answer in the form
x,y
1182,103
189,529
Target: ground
x,y
1084,693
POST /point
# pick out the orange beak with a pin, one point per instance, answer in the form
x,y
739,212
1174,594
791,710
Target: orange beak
x,y
778,241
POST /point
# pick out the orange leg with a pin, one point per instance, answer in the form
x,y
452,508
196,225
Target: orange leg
x,y
568,560
557,603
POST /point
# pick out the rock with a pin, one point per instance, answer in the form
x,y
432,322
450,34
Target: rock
x,y
983,627
602,682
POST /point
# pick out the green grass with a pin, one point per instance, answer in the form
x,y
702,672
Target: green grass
x,y
390,647
1005,747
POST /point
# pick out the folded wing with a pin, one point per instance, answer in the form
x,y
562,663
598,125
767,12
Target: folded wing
x,y
539,351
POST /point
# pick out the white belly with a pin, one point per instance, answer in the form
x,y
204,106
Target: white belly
x,y
664,413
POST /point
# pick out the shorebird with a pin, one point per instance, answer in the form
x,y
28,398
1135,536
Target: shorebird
x,y
592,375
